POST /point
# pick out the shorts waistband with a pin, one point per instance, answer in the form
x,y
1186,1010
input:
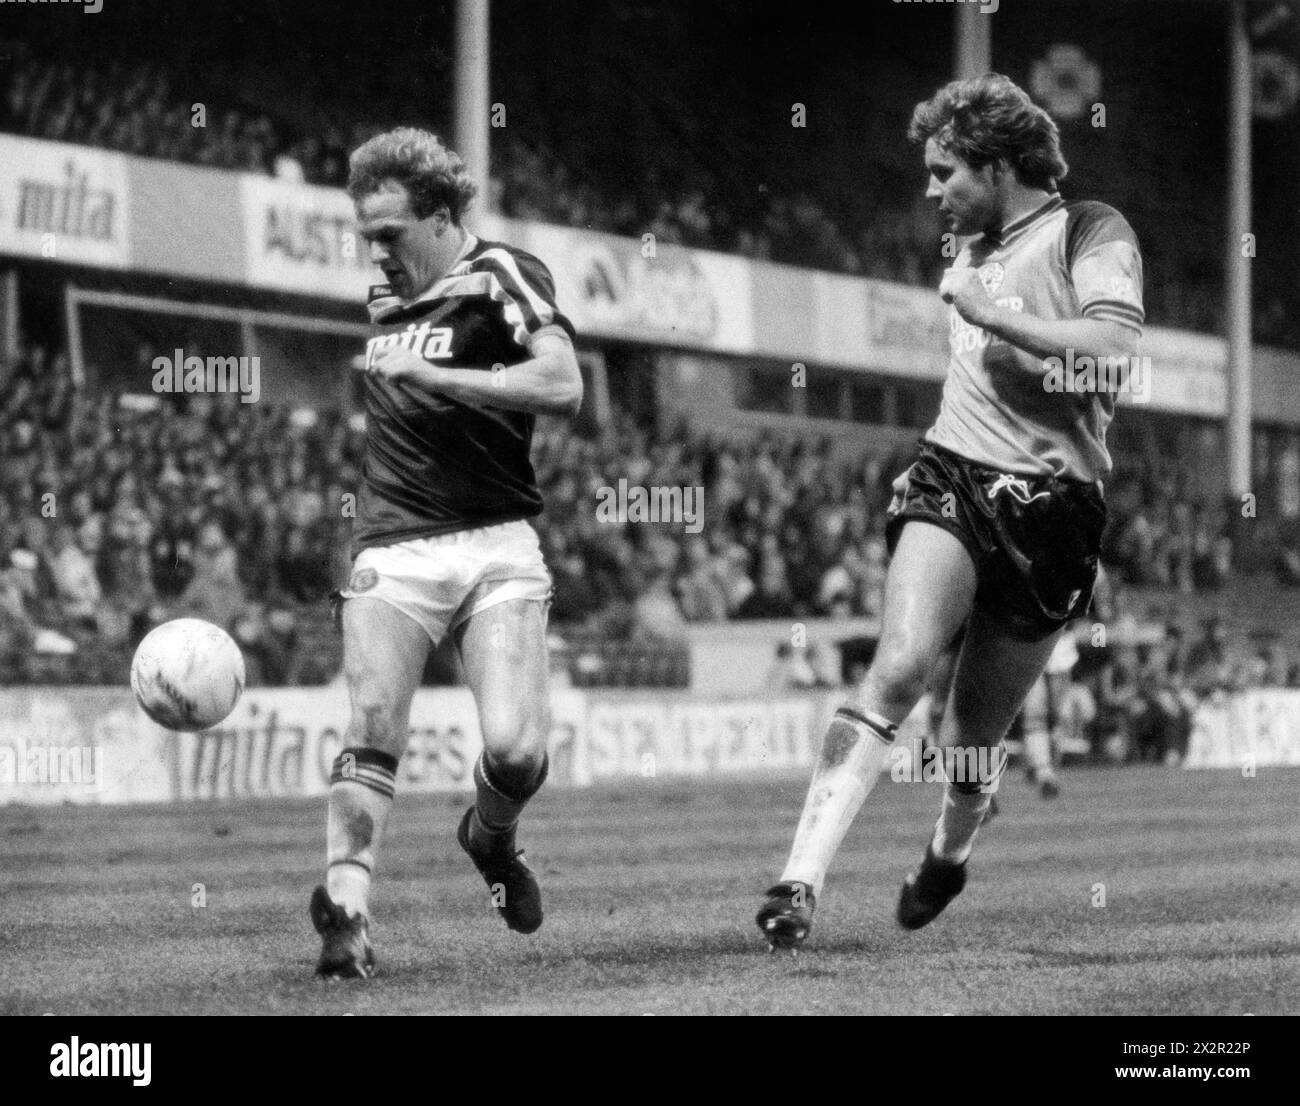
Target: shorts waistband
x,y
1032,477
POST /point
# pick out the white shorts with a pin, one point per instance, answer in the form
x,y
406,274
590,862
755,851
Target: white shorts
x,y
443,580
1065,655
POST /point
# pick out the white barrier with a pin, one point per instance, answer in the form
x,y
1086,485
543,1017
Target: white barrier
x,y
1257,728
94,745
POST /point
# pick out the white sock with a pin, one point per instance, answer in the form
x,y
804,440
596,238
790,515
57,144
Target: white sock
x,y
851,759
349,886
361,796
1038,751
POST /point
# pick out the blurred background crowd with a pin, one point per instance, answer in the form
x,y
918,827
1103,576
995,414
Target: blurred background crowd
x,y
240,514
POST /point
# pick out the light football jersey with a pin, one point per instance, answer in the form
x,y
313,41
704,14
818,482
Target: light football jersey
x,y
1062,261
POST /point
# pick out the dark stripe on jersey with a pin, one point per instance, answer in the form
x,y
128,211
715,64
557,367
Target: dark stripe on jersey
x,y
434,465
1084,218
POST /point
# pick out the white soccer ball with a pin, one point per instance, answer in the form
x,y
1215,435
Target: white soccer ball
x,y
187,674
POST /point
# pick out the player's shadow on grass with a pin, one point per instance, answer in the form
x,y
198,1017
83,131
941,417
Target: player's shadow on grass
x,y
405,972
656,949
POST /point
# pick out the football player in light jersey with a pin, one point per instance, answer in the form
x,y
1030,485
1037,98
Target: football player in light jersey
x,y
467,347
997,524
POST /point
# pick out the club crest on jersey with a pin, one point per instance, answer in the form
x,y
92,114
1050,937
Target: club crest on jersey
x,y
991,276
429,341
1018,488
363,579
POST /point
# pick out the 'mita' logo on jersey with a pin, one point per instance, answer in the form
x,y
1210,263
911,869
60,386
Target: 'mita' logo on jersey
x,y
429,341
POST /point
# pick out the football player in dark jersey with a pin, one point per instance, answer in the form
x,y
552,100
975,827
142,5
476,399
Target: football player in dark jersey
x,y
997,525
467,347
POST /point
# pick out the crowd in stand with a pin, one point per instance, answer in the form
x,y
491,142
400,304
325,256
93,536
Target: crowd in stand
x,y
789,534
1133,699
137,109
115,515
113,519
134,108
1145,694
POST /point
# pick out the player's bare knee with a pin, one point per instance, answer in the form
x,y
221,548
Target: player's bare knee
x,y
514,741
897,678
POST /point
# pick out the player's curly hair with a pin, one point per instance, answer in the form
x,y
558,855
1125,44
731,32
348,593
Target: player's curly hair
x,y
991,118
431,174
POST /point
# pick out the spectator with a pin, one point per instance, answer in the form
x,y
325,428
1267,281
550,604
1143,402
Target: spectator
x,y
791,670
215,592
76,586
1207,661
124,568
656,617
771,598
702,597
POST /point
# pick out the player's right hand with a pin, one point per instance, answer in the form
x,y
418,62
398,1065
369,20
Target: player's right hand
x,y
397,364
965,291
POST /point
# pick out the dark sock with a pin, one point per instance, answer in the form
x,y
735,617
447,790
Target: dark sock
x,y
502,792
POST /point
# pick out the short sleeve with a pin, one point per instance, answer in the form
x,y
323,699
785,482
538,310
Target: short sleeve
x,y
526,291
1105,265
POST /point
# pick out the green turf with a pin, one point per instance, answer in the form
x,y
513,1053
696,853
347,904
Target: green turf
x,y
650,893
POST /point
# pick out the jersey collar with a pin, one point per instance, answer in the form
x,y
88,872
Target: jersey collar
x,y
435,289
1017,227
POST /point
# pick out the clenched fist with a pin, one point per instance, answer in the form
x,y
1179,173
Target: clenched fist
x,y
963,289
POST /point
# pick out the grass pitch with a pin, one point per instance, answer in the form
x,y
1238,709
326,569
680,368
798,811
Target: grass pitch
x,y
650,891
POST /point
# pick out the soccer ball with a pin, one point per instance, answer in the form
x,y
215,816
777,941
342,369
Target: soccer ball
x,y
187,674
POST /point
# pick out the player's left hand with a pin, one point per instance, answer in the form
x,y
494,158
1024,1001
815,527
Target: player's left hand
x,y
965,291
397,364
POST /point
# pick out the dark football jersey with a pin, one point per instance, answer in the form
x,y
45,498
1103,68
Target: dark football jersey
x,y
435,465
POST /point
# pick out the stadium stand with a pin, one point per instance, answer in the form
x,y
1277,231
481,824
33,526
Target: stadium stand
x,y
878,232
181,508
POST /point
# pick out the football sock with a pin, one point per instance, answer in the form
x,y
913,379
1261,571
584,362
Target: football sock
x,y
852,756
361,795
965,803
1038,752
502,791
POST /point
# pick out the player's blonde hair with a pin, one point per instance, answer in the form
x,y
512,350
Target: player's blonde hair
x,y
991,118
431,174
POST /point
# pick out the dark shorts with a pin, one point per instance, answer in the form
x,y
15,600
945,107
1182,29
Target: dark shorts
x,y
1035,541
